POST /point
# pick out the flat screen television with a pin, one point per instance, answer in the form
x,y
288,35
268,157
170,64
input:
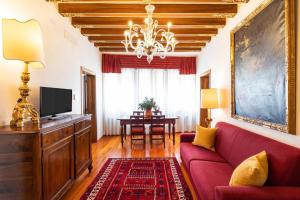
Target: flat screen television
x,y
55,101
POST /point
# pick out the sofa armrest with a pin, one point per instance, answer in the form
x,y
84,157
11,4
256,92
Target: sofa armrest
x,y
187,137
257,193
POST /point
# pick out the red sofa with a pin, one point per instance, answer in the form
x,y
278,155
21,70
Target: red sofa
x,y
210,171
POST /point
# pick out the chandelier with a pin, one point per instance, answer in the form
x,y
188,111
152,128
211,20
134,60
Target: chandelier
x,y
148,39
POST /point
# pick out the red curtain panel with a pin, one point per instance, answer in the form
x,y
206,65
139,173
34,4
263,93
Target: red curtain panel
x,y
114,63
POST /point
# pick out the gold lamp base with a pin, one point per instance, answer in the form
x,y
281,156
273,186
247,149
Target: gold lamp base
x,y
208,120
23,109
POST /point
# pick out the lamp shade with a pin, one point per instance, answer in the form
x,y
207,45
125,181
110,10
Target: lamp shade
x,y
209,98
23,41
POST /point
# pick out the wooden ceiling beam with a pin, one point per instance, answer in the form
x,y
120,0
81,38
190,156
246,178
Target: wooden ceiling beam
x,y
183,26
120,41
123,50
120,32
119,45
156,1
113,39
155,16
179,47
96,8
103,22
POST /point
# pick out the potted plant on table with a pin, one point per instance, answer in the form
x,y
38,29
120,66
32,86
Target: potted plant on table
x,y
147,105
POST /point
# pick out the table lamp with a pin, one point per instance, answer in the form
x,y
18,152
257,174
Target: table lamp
x,y
209,100
23,41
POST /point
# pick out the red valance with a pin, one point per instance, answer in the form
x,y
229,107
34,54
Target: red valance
x,y
114,63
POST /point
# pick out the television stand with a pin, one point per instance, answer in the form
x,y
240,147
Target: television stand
x,y
47,157
57,117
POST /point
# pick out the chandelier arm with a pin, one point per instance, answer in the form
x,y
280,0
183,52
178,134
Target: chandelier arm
x,y
162,52
132,45
166,35
136,26
125,43
165,48
162,32
133,35
159,46
133,32
158,32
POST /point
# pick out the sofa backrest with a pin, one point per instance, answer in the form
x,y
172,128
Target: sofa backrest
x,y
236,144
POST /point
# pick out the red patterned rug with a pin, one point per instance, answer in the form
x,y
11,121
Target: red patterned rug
x,y
142,179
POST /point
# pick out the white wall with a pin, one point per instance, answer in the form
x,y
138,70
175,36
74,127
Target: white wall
x,y
65,51
216,56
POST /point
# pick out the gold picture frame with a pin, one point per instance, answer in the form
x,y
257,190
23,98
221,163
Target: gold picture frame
x,y
290,70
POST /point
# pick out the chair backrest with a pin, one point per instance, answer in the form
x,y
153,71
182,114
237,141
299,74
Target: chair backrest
x,y
158,120
137,121
138,112
157,112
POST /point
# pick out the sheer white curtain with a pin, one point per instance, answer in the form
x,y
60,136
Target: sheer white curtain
x,y
175,94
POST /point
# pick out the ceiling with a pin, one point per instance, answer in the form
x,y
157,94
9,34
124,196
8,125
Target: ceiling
x,y
195,22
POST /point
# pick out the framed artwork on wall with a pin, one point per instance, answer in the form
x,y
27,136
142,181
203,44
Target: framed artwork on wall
x,y
263,72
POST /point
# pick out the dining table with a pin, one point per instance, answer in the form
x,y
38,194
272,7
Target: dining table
x,y
169,120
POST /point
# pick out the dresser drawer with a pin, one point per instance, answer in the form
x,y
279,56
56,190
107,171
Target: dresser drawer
x,y
52,137
82,125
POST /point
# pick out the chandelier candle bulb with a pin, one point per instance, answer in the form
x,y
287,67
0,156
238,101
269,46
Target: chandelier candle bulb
x,y
169,26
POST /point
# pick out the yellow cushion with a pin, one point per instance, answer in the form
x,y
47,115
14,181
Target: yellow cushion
x,y
205,137
251,172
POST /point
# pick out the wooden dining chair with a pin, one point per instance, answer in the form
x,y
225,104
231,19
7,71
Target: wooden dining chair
x,y
157,128
137,128
157,112
138,112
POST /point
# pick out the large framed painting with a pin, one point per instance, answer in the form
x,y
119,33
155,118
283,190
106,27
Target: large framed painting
x,y
263,67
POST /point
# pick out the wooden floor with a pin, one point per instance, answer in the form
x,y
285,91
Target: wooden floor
x,y
110,147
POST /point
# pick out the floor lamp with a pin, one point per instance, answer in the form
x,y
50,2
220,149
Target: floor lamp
x,y
209,100
23,41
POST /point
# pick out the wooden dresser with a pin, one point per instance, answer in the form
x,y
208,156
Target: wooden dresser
x,y
42,162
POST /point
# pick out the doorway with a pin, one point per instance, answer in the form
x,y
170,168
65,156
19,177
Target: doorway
x,y
204,84
89,98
